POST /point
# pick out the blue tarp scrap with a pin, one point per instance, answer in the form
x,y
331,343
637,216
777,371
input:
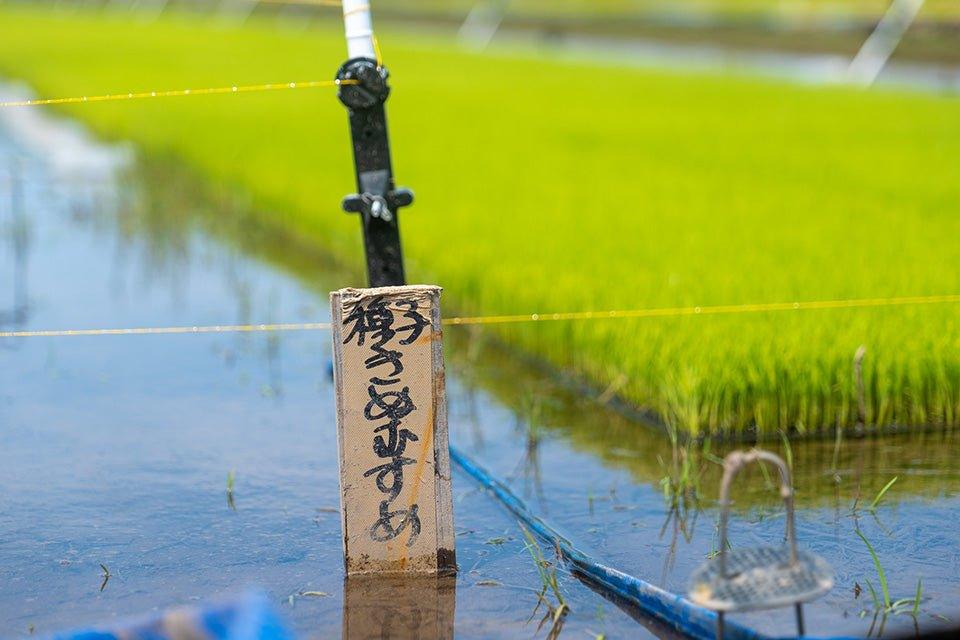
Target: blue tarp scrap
x,y
249,617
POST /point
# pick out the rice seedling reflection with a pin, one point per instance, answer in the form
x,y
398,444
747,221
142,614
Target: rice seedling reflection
x,y
230,481
530,420
883,605
547,572
105,573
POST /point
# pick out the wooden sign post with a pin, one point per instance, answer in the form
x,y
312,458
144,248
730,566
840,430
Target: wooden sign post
x,y
396,502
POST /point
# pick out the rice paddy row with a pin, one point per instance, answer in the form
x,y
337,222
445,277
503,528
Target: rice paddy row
x,y
546,186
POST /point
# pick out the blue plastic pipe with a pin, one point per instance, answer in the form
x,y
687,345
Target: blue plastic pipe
x,y
669,609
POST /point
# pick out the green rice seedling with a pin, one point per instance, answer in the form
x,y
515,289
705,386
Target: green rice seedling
x,y
767,479
728,215
883,604
546,570
877,603
787,450
904,605
592,499
230,481
876,500
881,575
547,573
715,542
681,480
917,598
861,394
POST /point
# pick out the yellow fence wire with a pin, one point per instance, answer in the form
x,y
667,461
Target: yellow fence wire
x,y
660,312
179,93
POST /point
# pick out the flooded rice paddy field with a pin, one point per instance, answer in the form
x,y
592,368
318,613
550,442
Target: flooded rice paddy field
x,y
115,450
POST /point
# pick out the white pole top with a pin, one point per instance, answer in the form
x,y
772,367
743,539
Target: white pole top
x,y
359,29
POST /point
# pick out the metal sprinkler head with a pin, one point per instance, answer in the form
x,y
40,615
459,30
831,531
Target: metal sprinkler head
x,y
747,579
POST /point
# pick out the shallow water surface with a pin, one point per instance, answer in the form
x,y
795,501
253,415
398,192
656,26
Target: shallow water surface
x,y
115,450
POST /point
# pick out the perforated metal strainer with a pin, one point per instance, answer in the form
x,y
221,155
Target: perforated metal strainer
x,y
760,577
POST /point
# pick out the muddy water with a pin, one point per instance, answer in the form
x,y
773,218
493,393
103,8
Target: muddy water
x,y
116,450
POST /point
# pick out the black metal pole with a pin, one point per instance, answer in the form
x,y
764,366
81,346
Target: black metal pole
x,y
377,201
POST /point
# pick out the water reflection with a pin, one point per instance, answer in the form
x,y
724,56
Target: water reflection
x,y
528,426
115,451
17,233
402,608
689,473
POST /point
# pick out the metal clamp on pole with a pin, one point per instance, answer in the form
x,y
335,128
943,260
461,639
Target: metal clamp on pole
x,y
378,200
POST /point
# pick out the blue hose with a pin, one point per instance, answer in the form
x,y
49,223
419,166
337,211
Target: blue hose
x,y
669,609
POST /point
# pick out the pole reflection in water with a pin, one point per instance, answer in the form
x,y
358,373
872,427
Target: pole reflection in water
x,y
378,606
19,238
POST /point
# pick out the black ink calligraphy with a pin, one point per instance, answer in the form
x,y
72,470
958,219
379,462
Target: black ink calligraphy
x,y
389,405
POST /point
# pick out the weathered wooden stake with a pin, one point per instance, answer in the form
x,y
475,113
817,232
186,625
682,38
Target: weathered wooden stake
x,y
395,495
